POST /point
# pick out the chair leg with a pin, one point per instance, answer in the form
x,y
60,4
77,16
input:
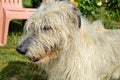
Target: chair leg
x,y
1,26
5,32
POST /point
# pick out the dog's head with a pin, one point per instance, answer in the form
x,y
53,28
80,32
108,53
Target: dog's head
x,y
49,31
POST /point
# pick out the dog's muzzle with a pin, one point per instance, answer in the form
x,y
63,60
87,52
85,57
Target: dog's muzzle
x,y
22,50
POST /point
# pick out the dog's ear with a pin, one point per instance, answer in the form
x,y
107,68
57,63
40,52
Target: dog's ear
x,y
76,11
79,20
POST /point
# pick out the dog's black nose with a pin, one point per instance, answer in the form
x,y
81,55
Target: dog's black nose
x,y
21,50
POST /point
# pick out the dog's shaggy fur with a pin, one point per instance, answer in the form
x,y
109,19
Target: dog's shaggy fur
x,y
68,46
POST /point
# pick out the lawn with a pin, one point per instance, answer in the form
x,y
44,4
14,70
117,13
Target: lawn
x,y
14,66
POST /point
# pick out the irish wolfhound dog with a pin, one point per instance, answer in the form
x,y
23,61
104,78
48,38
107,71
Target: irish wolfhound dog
x,y
68,46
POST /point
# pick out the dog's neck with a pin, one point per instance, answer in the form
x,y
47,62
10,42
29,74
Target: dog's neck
x,y
63,63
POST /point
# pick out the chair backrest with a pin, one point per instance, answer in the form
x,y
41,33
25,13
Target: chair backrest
x,y
11,3
0,3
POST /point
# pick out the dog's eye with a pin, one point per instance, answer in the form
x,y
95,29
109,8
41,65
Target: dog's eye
x,y
45,28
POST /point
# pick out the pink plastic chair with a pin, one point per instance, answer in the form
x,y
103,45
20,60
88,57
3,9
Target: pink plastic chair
x,y
11,9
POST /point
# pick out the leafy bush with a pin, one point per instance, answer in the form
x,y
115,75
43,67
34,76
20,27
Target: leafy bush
x,y
27,3
113,8
36,3
106,10
31,3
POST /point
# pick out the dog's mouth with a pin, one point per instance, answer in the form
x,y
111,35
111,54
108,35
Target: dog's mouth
x,y
33,59
45,58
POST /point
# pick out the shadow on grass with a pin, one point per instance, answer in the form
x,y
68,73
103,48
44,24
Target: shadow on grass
x,y
22,71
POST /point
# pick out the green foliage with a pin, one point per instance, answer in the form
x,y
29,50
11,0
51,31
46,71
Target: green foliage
x,y
31,3
36,3
87,7
93,7
113,9
106,10
27,3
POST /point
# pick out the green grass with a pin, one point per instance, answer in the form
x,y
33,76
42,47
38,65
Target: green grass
x,y
14,66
